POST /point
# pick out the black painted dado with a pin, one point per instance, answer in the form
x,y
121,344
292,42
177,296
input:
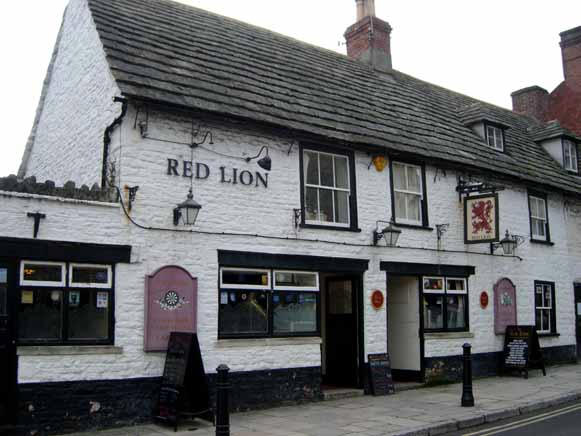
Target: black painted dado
x,y
449,368
51,408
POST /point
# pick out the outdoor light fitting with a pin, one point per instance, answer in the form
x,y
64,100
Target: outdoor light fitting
x,y
265,163
390,233
509,244
187,211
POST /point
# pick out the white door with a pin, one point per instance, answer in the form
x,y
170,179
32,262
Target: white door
x,y
403,329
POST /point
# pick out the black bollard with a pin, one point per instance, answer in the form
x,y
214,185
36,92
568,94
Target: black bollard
x,y
222,412
467,395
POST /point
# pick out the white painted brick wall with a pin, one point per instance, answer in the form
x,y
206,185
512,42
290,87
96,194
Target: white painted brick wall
x,y
229,208
68,144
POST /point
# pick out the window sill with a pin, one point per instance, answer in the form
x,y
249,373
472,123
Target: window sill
x,y
267,342
548,335
449,335
72,350
541,242
413,226
333,228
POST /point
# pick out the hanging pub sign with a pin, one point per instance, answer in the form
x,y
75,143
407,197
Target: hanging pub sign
x,y
481,219
504,305
170,305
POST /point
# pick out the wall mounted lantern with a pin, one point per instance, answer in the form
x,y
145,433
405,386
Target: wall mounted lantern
x,y
265,163
509,244
390,233
187,211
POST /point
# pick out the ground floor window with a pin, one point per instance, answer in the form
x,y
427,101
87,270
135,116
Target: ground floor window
x,y
267,303
545,317
445,304
63,303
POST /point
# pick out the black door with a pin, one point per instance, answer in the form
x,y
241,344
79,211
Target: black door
x,y
341,333
7,348
578,318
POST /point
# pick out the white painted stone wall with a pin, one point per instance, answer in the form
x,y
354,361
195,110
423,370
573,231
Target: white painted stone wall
x,y
247,211
77,106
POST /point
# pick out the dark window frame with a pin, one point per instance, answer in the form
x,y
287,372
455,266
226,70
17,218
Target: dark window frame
x,y
445,329
66,289
553,309
502,130
576,160
424,203
544,197
353,216
270,304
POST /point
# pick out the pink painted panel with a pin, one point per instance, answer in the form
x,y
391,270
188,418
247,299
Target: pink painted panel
x,y
504,305
171,305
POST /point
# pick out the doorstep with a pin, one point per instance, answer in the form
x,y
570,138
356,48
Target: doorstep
x,y
331,394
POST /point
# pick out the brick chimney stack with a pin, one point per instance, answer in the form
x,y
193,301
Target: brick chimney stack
x,y
532,101
571,52
368,40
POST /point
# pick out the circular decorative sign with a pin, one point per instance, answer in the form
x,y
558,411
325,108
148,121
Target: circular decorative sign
x,y
484,300
377,299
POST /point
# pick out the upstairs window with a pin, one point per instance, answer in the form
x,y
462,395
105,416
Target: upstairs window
x,y
408,193
569,155
328,189
539,218
545,310
494,137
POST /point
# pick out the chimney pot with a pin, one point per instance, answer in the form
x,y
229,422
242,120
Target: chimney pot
x,y
365,8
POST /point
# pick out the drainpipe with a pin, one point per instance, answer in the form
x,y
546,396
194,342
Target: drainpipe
x,y
107,138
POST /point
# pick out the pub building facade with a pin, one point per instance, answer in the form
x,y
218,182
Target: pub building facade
x,y
296,208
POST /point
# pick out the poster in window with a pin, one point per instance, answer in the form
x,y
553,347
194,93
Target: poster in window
x,y
481,219
75,298
102,300
27,297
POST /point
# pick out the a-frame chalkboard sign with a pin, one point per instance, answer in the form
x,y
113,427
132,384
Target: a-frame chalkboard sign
x,y
184,388
522,350
380,379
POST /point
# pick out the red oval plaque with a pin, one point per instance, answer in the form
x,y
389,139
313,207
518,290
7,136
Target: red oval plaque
x,y
377,299
484,300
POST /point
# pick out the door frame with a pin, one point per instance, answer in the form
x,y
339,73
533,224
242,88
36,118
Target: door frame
x,y
421,335
12,281
357,284
577,300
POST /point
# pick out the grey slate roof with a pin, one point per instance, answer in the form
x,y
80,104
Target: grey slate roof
x,y
551,130
177,54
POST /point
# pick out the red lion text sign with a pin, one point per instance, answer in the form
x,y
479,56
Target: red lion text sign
x,y
170,306
481,219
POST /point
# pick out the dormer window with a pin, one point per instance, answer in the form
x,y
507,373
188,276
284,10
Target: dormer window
x,y
495,137
569,155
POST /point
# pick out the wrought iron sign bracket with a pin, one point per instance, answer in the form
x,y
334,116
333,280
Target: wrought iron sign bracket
x,y
467,187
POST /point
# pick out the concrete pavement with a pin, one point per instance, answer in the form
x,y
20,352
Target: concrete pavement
x,y
421,412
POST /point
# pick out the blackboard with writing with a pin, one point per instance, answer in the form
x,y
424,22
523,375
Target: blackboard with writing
x,y
184,388
380,379
522,350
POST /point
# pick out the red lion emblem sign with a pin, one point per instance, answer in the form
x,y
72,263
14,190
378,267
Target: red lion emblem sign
x,y
481,219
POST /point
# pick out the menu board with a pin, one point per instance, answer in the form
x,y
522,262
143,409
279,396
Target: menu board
x,y
184,388
380,378
522,350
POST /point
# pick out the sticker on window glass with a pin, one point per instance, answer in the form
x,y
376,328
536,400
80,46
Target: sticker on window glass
x,y
275,299
55,296
223,297
3,275
27,297
232,297
102,300
74,298
244,297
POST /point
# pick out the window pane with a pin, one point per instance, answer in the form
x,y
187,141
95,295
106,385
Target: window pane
x,y
414,182
243,312
90,274
433,311
433,284
456,311
40,314
326,170
400,209
538,319
542,210
42,273
234,277
538,228
413,207
539,296
326,199
311,165
294,312
341,173
547,300
534,207
296,279
3,291
342,207
546,319
88,314
399,181
312,204
455,285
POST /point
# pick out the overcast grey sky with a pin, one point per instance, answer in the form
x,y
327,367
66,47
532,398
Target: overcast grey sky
x,y
485,50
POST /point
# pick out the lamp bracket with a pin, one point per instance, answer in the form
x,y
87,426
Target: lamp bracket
x,y
467,187
297,215
293,143
143,124
131,192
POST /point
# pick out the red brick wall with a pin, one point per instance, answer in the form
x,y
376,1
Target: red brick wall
x,y
533,101
359,41
565,106
571,51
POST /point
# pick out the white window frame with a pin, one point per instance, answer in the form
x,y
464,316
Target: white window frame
x,y
434,291
497,137
107,285
234,286
538,218
62,283
545,308
571,147
296,288
456,291
328,188
419,194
